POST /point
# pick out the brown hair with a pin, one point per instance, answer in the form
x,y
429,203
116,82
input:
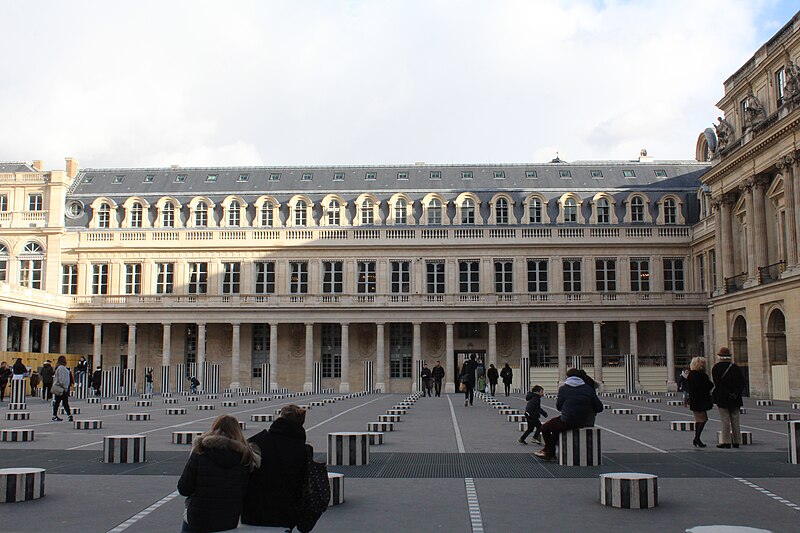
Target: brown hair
x,y
61,360
294,413
228,426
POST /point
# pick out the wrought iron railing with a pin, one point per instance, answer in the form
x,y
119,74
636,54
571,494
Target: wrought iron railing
x,y
770,273
735,283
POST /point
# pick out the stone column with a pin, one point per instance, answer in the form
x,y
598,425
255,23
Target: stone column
x,y
492,344
308,385
344,386
671,385
717,282
796,205
709,343
786,166
273,356
633,332
3,333
449,348
25,335
62,342
97,346
236,356
727,239
598,352
747,192
201,352
760,222
380,348
525,349
416,353
166,344
45,345
131,345
562,352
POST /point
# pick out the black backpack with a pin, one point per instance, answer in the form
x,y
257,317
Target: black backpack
x,y
316,494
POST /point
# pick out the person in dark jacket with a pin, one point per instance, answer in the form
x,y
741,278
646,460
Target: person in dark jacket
x,y
508,376
47,374
215,478
274,490
427,380
682,384
699,387
438,376
727,394
468,378
19,369
5,375
533,409
34,382
492,375
578,403
97,380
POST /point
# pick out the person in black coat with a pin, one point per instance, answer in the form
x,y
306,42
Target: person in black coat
x,y
727,394
215,478
275,489
578,402
699,387
97,380
5,375
467,377
533,409
438,376
427,380
47,374
508,375
492,375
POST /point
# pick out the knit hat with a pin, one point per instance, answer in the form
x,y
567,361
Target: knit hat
x,y
724,352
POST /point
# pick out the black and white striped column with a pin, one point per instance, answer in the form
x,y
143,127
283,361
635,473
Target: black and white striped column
x,y
316,383
629,490
165,385
18,391
525,371
369,376
337,488
266,375
16,435
87,424
82,386
794,442
630,372
129,387
348,448
580,447
21,484
124,449
181,379
184,437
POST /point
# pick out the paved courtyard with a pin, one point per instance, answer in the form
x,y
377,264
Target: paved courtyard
x,y
422,477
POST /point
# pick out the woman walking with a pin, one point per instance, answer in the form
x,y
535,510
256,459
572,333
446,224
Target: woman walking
x,y
728,387
699,387
214,479
61,385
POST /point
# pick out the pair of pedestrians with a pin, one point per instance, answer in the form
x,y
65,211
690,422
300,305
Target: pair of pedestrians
x,y
432,378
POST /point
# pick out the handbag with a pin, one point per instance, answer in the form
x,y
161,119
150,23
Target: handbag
x,y
58,389
316,495
462,387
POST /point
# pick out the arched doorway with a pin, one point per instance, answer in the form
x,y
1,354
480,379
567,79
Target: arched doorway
x,y
739,347
776,354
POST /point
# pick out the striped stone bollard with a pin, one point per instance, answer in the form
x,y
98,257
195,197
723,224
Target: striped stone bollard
x,y
501,406
21,484
747,437
16,406
328,400
622,411
523,426
184,437
682,425
670,394
193,398
742,410
516,418
348,448
205,407
375,437
242,425
764,403
397,412
227,395
337,488
144,403
87,424
110,407
176,411
794,442
606,406
166,395
580,447
261,418
635,398
674,403
629,490
93,399
170,401
509,411
18,415
264,398
230,403
73,410
137,417
215,396
247,401
653,400
380,426
305,406
648,417
779,416
124,449
17,391
16,435
146,396
389,418
122,398
316,403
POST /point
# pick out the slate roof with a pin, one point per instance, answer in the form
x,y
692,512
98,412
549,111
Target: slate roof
x,y
15,166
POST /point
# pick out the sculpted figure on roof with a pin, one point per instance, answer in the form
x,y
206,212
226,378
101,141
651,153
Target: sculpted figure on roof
x,y
754,111
791,87
724,133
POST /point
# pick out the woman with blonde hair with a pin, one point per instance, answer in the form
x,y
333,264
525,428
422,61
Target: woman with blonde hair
x,y
214,479
699,387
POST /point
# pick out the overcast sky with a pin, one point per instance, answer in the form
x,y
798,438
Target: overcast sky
x,y
195,83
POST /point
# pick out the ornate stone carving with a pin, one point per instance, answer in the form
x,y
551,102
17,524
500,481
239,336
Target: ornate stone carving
x,y
298,335
791,87
754,111
724,132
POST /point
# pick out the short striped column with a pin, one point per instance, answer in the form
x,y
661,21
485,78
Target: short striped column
x,y
184,437
124,449
674,403
779,416
242,425
16,435
764,403
14,406
380,426
262,418
580,447
375,438
629,490
194,398
21,484
742,410
389,418
508,411
73,410
17,391
653,400
230,403
523,426
205,407
110,407
144,403
137,417
316,403
747,437
794,442
93,399
516,418
682,425
146,396
648,417
170,401
18,415
337,488
348,448
176,411
122,398
635,398
622,411
247,401
87,424
216,396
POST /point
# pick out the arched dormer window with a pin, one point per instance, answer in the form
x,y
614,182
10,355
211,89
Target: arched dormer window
x,y
670,211
468,211
168,213
570,210
234,214
636,212
300,213
535,210
603,211
201,214
434,217
266,212
136,215
267,217
367,210
104,216
367,217
30,265
334,215
401,211
501,212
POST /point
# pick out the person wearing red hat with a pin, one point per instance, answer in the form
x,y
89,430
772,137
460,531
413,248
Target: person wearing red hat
x,y
728,387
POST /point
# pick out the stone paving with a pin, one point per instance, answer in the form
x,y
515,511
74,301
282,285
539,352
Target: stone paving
x,y
418,479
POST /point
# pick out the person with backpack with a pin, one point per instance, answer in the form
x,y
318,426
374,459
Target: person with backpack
x,y
47,374
727,394
63,382
508,376
493,375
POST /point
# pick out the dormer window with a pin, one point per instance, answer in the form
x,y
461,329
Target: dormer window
x,y
338,176
300,213
596,174
603,211
435,212
180,178
275,176
637,209
168,215
88,179
468,212
402,175
334,217
570,210
307,176
201,215
499,175
267,216
660,173
103,216
436,174
234,214
531,174
371,176
400,211
243,177
501,211
535,211
211,177
670,211
136,215
466,175
118,179
564,174
149,178
367,213
628,174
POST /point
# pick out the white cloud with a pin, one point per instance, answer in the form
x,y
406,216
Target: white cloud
x,y
241,82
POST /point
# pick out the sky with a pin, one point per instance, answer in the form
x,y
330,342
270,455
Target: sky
x,y
236,83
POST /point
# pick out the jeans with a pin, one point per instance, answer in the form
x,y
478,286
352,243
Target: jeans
x,y
492,388
64,398
550,431
437,385
469,394
508,388
730,425
533,424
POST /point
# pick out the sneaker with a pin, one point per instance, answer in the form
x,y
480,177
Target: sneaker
x,y
538,440
466,403
69,418
521,441
56,419
543,455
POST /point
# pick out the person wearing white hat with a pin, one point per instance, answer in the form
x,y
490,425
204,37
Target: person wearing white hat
x,y
728,387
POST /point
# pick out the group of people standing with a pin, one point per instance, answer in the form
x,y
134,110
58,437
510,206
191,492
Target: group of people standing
x,y
473,375
432,379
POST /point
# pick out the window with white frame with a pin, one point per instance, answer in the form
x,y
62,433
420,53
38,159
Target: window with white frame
x,y
468,211
165,282
298,277
503,276
3,203
400,352
300,213
469,276
605,274
231,277
332,277
603,211
201,215
670,211
673,274
267,215
35,202
136,215
100,278
334,215
572,275
637,209
640,274
69,279
30,266
434,271
400,211
401,277
265,277
104,216
501,211
435,212
367,213
570,210
535,211
537,275
133,278
367,277
701,272
3,263
234,214
331,350
780,84
198,278
168,215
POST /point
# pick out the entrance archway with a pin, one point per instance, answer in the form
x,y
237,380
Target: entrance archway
x,y
739,347
776,354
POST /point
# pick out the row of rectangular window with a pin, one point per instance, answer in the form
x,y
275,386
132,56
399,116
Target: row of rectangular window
x,y
332,280
35,202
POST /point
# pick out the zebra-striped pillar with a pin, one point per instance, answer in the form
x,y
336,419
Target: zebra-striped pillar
x,y
574,361
116,380
348,448
266,376
129,387
124,449
580,447
525,374
106,384
337,488
211,373
630,372
181,379
629,490
21,484
82,386
794,442
369,376
18,391
165,379
418,377
316,382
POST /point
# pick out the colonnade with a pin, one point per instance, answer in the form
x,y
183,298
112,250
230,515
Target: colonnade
x,y
25,335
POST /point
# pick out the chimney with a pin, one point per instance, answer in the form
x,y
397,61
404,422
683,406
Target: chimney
x,y
37,165
72,167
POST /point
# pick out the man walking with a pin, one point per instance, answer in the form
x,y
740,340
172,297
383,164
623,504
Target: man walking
x,y
438,376
467,378
427,377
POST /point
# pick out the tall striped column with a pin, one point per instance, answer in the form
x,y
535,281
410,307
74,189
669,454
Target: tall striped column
x,y
181,383
575,361
165,387
129,385
82,386
18,391
211,373
630,373
316,382
266,377
369,377
794,442
525,371
418,377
